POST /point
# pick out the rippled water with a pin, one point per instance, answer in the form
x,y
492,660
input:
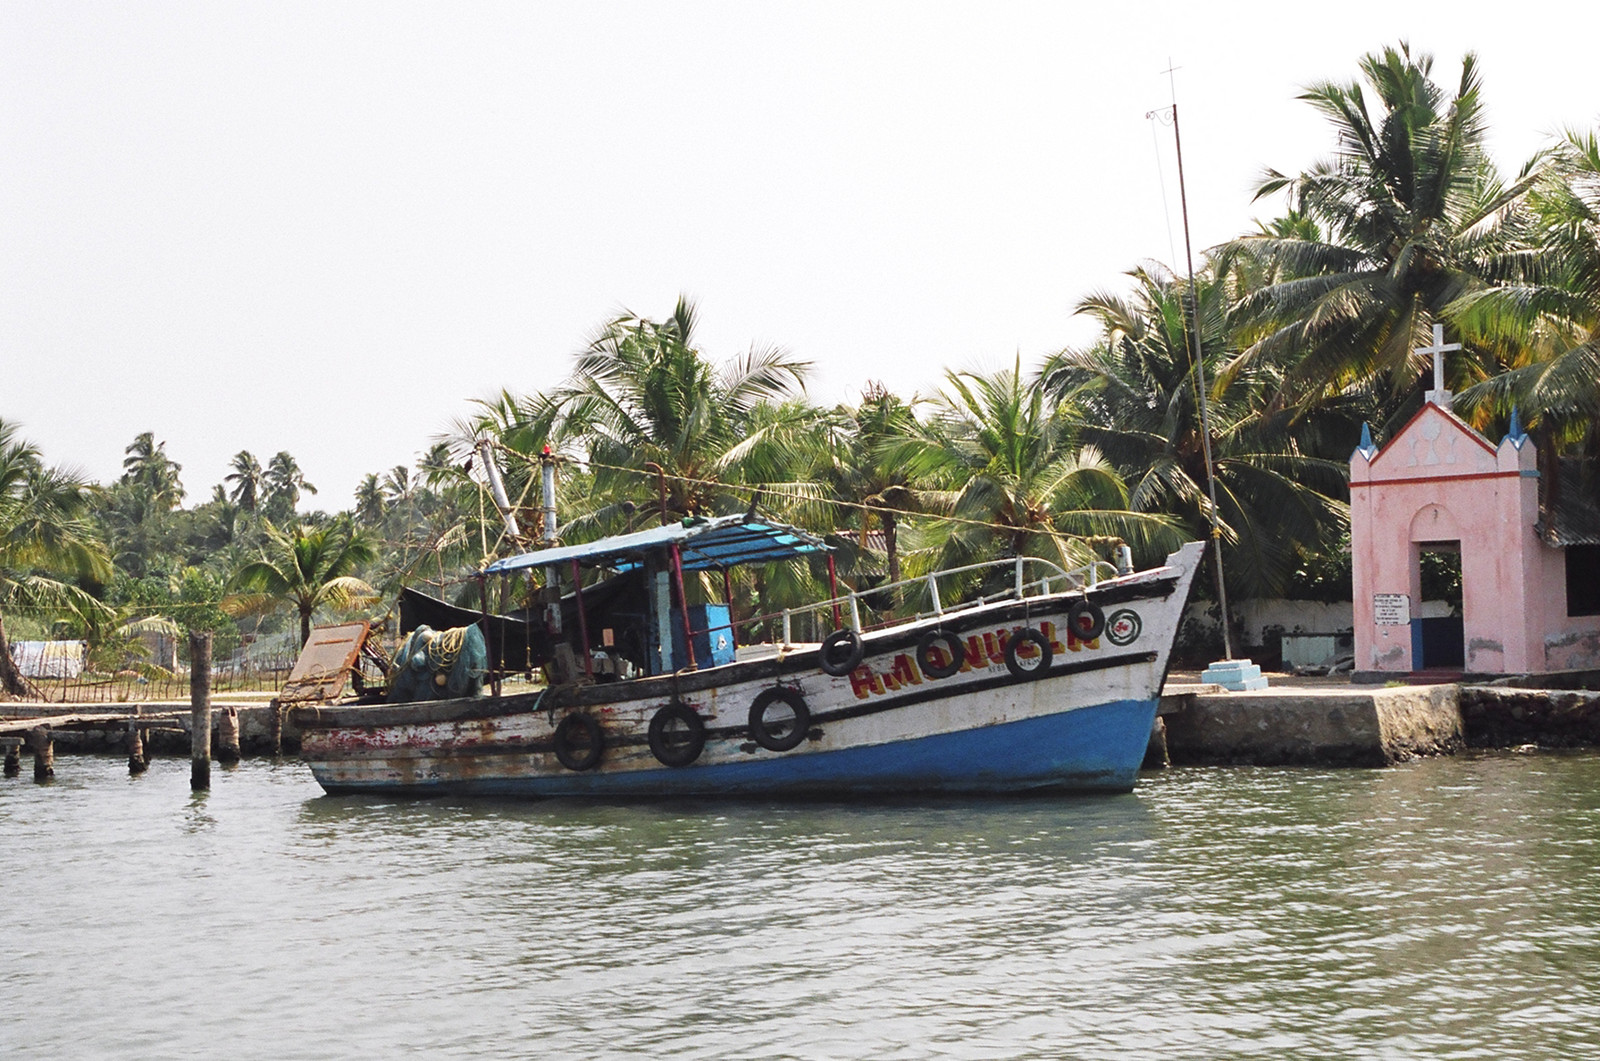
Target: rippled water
x,y
1443,909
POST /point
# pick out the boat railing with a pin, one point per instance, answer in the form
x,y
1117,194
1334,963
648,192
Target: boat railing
x,y
1031,576
1046,578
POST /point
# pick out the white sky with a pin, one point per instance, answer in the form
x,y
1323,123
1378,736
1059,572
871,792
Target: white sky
x,y
325,227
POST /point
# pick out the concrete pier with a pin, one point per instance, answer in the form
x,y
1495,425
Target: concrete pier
x,y
1311,725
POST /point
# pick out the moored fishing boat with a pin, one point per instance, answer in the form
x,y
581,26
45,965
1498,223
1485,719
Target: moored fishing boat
x,y
1049,680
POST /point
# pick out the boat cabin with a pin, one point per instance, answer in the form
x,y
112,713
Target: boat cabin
x,y
637,622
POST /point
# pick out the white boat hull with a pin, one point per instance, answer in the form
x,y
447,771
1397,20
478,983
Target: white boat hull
x,y
1081,723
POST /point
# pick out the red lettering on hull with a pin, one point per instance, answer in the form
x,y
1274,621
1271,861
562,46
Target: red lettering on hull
x,y
979,652
903,673
864,683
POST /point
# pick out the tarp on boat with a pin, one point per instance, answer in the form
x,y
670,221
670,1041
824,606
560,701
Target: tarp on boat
x,y
517,640
717,544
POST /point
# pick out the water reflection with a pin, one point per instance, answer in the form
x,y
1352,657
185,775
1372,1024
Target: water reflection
x,y
1398,907
1441,909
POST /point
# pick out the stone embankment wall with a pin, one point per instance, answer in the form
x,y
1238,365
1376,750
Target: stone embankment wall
x,y
1509,717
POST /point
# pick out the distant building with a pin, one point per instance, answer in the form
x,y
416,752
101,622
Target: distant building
x,y
1529,559
160,649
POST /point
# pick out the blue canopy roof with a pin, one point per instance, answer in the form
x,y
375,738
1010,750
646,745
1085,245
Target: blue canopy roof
x,y
726,541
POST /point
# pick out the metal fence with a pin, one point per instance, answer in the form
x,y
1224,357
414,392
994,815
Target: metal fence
x,y
259,674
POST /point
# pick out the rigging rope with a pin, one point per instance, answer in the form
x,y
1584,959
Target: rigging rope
x,y
777,491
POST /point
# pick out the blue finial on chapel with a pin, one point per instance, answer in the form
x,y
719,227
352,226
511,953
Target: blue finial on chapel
x,y
1514,434
1367,449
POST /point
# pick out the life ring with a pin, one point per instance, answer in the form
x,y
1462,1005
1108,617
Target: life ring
x,y
687,739
779,739
952,647
574,755
839,665
1032,666
1085,620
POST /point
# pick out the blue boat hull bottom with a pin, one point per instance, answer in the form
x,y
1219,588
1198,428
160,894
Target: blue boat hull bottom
x,y
1089,749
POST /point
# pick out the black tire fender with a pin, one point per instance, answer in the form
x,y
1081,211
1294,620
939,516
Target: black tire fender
x,y
1033,666
839,663
762,733
952,646
1085,620
674,752
572,756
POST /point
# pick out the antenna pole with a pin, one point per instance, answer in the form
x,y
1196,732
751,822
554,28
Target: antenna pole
x,y
1200,388
497,489
552,574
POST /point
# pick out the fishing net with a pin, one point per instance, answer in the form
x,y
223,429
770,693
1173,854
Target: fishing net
x,y
439,665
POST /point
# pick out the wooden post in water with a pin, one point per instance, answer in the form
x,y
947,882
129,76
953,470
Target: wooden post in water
x,y
228,735
13,755
138,763
200,711
44,754
275,728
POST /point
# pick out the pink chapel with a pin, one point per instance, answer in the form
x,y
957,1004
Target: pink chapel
x,y
1528,551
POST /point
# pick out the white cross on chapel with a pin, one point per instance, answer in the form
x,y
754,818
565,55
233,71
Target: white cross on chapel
x,y
1438,396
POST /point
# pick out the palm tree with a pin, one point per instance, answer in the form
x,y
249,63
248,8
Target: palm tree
x,y
398,489
148,466
400,499
222,517
438,467
867,466
42,530
440,480
370,501
248,480
1134,393
643,393
1411,208
433,514
1017,483
284,483
308,567
1546,307
136,526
